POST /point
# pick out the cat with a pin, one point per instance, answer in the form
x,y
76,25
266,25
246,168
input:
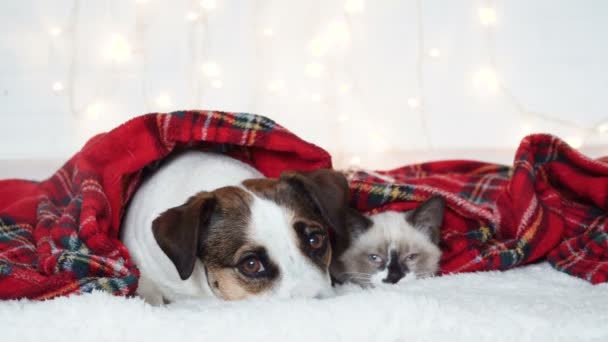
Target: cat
x,y
390,246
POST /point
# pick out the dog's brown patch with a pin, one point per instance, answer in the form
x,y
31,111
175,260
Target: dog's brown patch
x,y
315,203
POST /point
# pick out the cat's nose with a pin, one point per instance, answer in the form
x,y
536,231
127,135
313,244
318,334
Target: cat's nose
x,y
395,270
394,277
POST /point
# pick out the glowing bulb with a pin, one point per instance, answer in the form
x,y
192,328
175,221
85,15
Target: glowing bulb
x,y
208,5
354,6
339,33
94,111
575,142
119,49
413,102
355,160
318,47
344,88
217,84
434,52
343,118
486,78
268,32
487,16
57,87
276,86
163,101
315,97
603,128
315,69
211,69
377,140
55,31
192,16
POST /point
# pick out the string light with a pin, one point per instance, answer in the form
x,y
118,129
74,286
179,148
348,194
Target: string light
x,y
377,141
434,52
192,16
487,16
315,69
208,5
354,6
319,47
486,78
57,87
163,101
210,69
338,33
574,141
276,86
119,49
94,111
355,160
344,88
55,31
413,102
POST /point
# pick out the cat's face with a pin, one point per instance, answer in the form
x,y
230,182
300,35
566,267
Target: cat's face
x,y
392,246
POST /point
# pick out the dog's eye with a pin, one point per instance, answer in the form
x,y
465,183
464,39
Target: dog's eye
x,y
375,258
315,240
251,266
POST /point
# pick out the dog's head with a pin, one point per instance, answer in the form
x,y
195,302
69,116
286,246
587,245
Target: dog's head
x,y
270,236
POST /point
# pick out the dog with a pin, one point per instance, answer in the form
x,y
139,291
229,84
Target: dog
x,y
208,225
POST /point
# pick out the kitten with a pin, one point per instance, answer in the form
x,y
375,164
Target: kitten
x,y
387,247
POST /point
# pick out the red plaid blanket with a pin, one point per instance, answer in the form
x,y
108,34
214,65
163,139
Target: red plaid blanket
x,y
551,204
60,236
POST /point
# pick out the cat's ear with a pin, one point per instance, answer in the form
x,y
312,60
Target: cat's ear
x,y
428,217
356,222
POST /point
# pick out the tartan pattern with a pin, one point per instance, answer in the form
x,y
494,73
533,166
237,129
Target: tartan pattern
x,y
60,236
551,204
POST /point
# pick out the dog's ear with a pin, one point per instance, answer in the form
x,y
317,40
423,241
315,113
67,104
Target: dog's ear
x,y
180,231
428,217
328,191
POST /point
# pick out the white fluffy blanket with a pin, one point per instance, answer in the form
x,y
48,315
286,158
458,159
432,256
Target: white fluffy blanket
x,y
534,303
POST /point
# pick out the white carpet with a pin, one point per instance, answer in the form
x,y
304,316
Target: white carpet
x,y
534,303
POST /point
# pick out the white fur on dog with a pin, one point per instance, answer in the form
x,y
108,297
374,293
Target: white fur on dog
x,y
534,303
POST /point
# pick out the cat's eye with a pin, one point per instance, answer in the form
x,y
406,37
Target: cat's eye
x,y
251,266
411,257
375,258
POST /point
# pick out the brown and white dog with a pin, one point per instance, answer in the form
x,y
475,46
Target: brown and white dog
x,y
208,225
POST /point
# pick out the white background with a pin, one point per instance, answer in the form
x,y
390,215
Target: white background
x,y
355,77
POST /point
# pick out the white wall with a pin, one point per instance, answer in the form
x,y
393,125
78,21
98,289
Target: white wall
x,y
540,66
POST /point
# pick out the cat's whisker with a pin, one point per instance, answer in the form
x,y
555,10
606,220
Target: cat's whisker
x,y
356,276
357,273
